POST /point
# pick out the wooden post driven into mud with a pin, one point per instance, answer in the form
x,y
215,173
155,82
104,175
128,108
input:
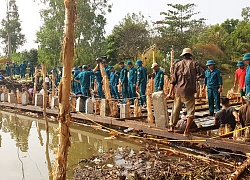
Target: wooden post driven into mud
x,y
45,95
171,62
64,116
35,85
107,89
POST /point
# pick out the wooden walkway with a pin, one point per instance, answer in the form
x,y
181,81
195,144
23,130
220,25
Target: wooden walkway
x,y
144,127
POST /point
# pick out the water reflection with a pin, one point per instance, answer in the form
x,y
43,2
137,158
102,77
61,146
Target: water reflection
x,y
25,144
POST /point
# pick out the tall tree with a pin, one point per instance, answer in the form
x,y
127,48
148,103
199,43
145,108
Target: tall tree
x,y
178,25
245,13
89,30
11,28
230,25
128,38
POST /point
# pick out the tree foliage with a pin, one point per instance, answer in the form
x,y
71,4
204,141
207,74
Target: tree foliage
x,y
179,25
11,26
89,31
129,38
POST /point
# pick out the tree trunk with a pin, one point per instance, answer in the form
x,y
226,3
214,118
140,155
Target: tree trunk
x,y
35,85
64,116
106,86
45,94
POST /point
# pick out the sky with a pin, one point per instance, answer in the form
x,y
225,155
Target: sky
x,y
215,11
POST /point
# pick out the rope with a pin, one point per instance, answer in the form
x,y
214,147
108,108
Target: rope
x,y
231,132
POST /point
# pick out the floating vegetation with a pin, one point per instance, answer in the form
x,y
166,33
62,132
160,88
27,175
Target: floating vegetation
x,y
153,163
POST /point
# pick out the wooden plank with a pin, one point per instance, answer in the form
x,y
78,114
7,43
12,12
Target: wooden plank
x,y
148,129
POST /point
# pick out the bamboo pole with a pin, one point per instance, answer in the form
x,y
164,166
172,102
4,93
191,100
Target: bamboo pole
x,y
45,94
64,116
35,85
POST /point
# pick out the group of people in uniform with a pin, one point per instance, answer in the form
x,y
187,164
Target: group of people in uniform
x,y
15,69
130,78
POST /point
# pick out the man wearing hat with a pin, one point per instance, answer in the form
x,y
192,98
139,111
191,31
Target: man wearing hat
x,y
246,58
98,78
185,74
239,78
141,81
159,77
32,69
124,80
114,80
8,69
132,78
77,85
213,81
244,111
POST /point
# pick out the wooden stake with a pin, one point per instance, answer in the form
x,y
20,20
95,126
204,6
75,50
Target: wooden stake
x,y
106,88
53,84
45,94
35,85
136,107
150,118
64,116
171,62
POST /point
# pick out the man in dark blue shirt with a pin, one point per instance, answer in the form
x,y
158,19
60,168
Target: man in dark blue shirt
x,y
132,78
124,80
114,80
141,81
213,81
159,78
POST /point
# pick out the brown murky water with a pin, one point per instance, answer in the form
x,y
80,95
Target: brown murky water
x,y
27,151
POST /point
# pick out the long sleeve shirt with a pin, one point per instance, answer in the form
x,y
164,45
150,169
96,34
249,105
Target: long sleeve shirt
x,y
132,76
141,75
159,80
84,78
185,74
213,78
124,76
114,79
247,79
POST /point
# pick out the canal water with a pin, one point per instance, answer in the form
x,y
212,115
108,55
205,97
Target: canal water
x,y
27,151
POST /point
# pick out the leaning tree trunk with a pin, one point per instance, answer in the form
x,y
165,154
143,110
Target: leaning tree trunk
x,y
45,95
64,116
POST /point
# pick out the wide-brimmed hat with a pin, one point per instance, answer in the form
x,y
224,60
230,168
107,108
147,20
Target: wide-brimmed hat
x,y
210,62
186,51
246,57
247,97
138,62
154,65
240,63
